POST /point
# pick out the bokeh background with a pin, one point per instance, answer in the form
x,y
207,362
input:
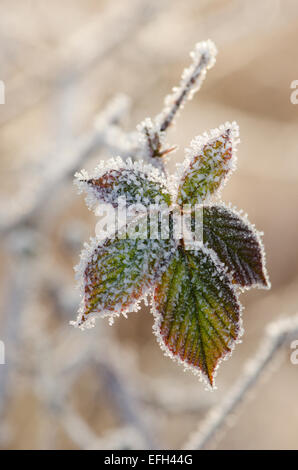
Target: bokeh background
x,y
62,63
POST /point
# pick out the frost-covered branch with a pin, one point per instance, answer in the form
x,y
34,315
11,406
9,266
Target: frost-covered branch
x,y
276,336
60,168
152,132
203,58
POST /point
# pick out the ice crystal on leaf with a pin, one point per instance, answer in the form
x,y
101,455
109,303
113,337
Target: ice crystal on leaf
x,y
116,273
210,160
237,244
136,181
194,290
197,311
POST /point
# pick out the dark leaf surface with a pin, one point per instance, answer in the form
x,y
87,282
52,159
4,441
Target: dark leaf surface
x,y
199,311
237,245
208,169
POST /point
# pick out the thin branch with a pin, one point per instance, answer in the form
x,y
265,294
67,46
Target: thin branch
x,y
203,58
152,132
62,167
276,336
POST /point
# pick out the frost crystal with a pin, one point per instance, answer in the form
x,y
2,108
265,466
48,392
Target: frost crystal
x,y
115,274
237,244
197,313
111,179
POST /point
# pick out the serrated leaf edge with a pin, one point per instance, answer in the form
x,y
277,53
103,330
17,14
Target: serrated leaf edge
x,y
244,217
117,310
196,147
92,198
84,322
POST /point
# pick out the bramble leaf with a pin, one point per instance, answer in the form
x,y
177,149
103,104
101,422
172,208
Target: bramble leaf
x,y
137,188
137,183
209,162
237,245
117,273
192,266
197,311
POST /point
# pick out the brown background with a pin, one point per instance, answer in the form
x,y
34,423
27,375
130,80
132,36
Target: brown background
x,y
61,62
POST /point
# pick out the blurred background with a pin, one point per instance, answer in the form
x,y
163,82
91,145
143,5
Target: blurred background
x,y
63,65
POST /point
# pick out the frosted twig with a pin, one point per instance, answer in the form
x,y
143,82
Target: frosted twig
x,y
152,133
276,335
61,168
203,58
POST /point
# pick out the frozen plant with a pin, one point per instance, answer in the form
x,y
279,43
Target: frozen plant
x,y
194,292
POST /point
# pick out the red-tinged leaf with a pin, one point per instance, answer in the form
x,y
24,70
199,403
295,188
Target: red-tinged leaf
x,y
116,273
210,160
197,311
134,185
237,244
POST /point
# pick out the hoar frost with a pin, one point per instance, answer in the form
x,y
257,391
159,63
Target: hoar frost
x,y
193,292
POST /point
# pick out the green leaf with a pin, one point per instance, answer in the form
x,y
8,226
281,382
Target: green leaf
x,y
117,273
197,311
237,245
132,184
210,160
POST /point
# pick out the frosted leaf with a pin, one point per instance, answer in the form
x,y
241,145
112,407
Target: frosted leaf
x,y
117,273
197,313
237,244
131,184
136,181
195,304
209,161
